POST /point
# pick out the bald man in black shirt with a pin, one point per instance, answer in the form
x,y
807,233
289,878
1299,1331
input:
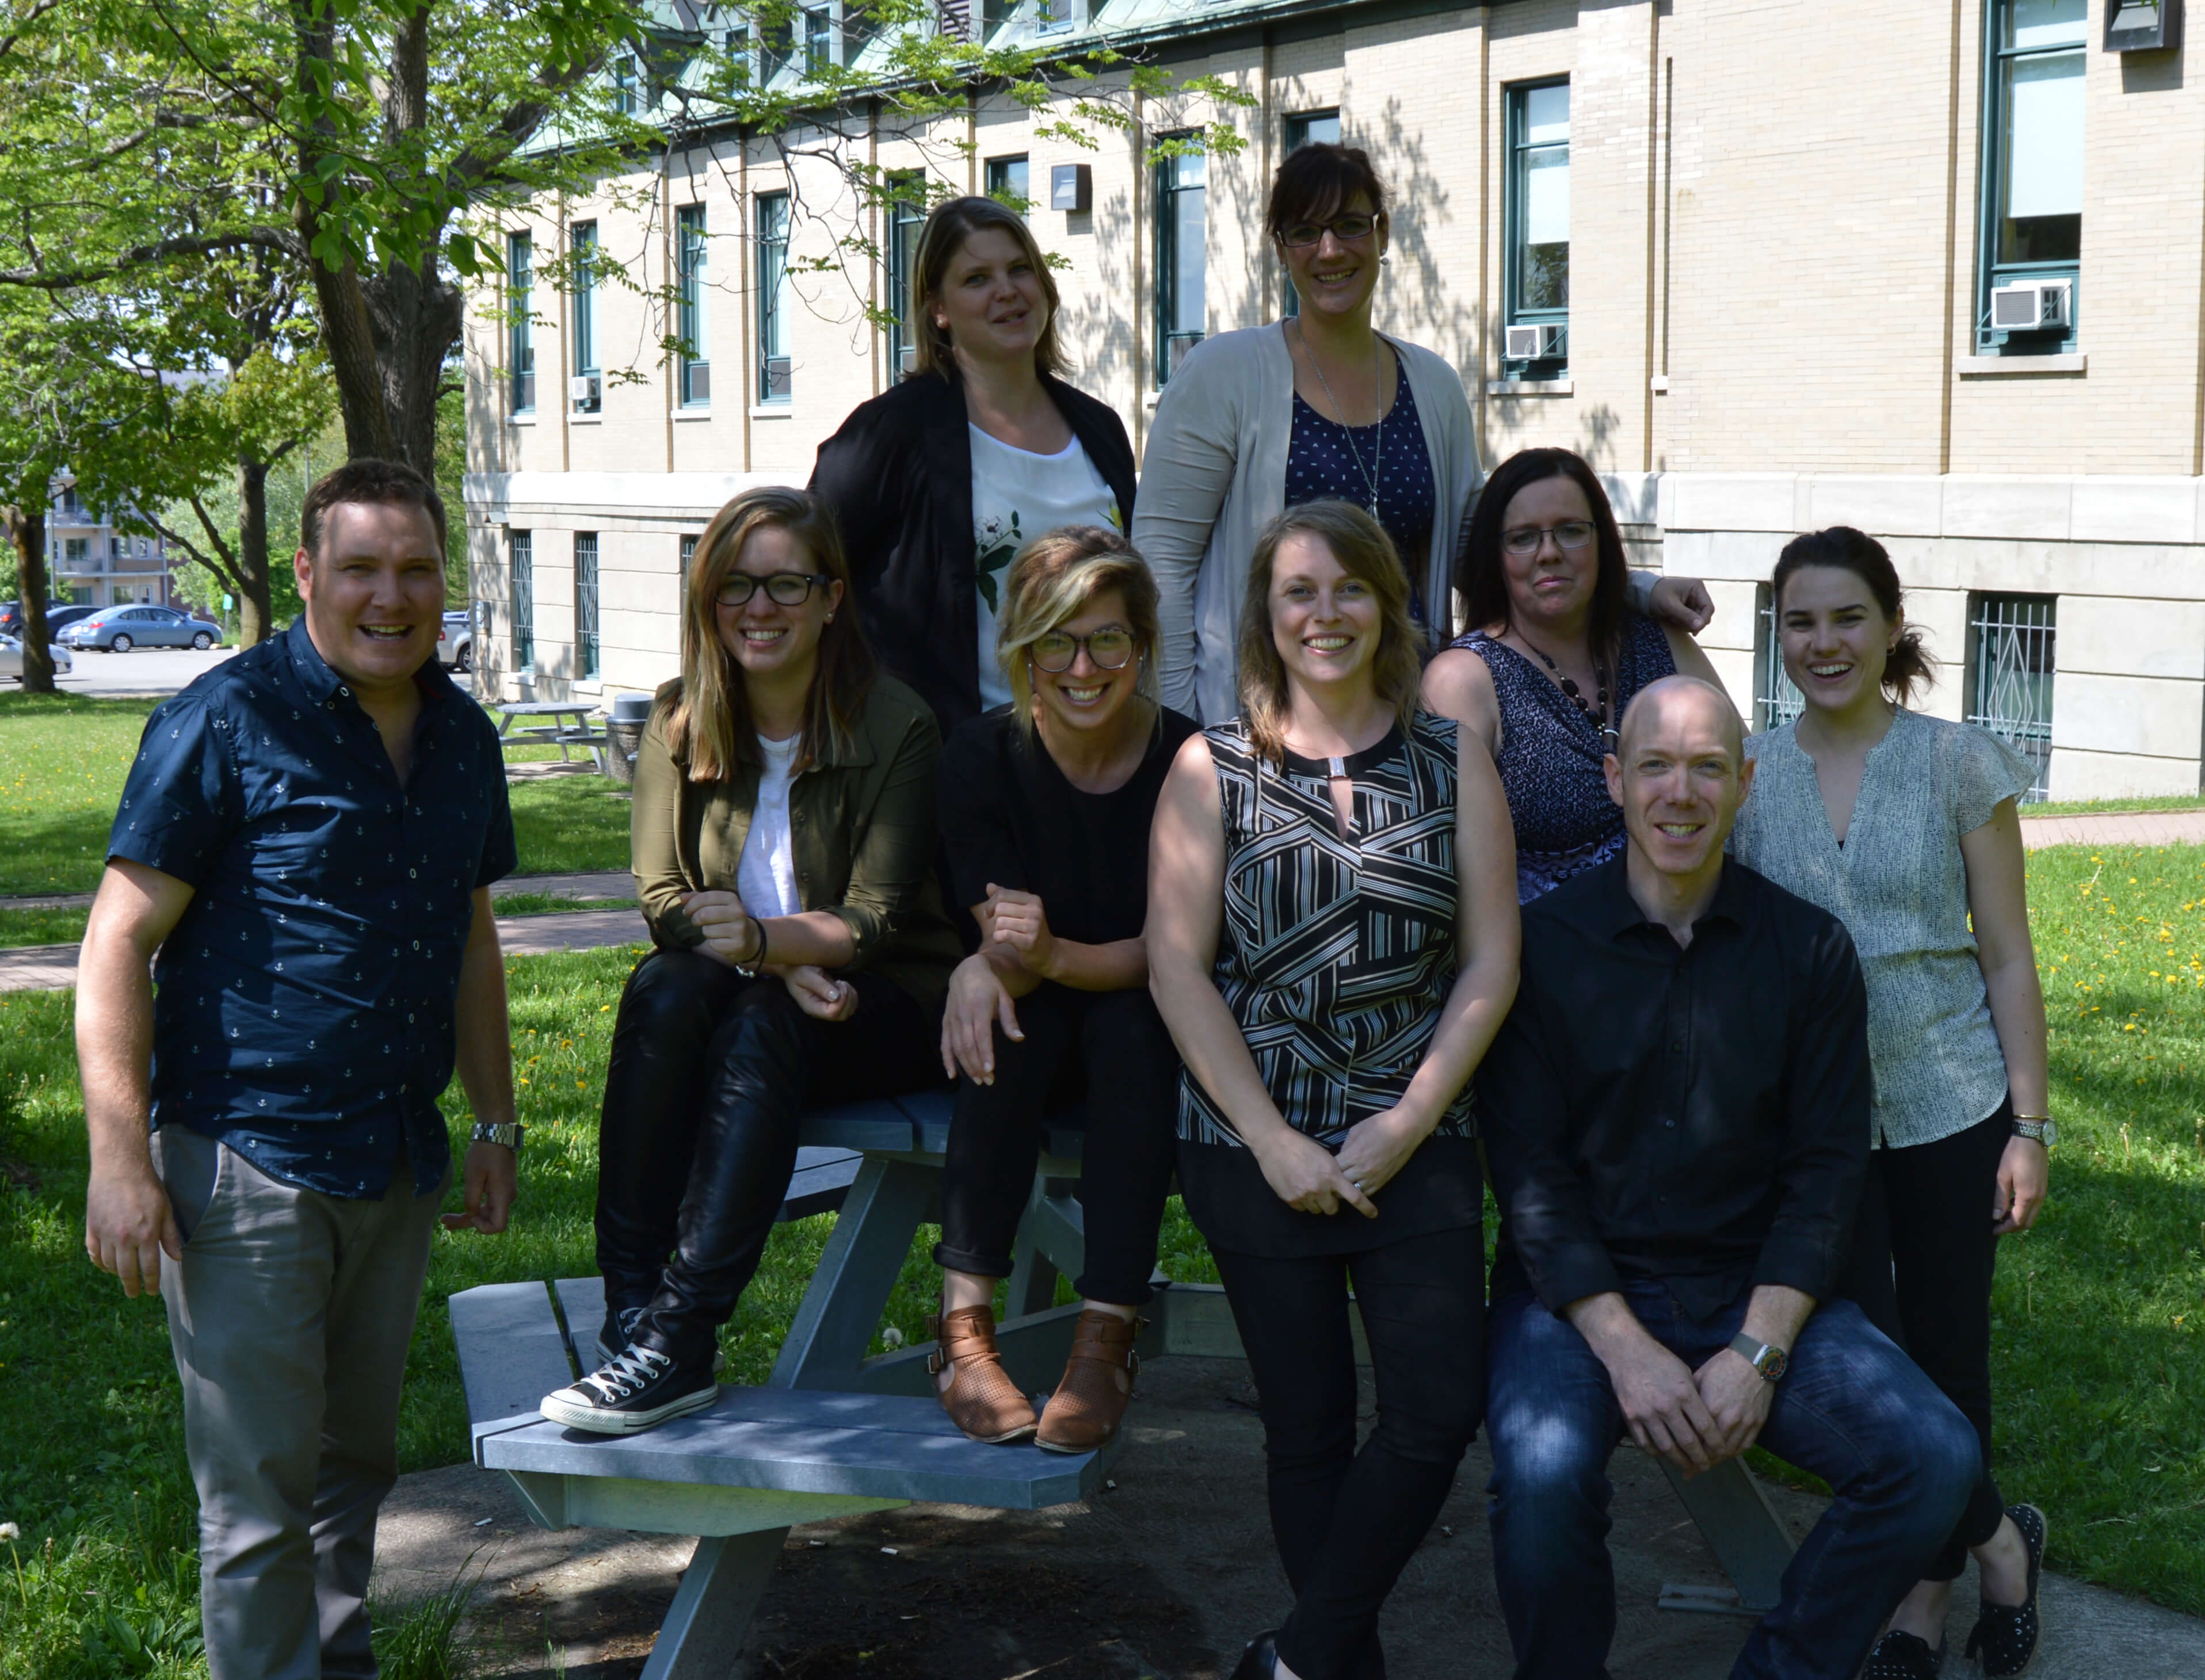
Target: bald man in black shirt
x,y
1677,1116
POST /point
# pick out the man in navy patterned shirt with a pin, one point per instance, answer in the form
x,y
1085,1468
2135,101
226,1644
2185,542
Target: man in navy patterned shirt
x,y
307,841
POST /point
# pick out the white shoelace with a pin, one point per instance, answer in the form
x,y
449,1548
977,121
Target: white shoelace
x,y
626,1375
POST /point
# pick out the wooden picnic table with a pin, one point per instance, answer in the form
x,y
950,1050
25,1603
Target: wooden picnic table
x,y
835,1431
555,731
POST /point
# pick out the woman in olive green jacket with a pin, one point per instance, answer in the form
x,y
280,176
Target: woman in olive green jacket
x,y
784,841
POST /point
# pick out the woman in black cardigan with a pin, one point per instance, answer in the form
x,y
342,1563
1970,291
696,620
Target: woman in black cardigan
x,y
937,482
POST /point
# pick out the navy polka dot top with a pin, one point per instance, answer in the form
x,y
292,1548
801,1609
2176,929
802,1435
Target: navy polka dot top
x,y
1323,464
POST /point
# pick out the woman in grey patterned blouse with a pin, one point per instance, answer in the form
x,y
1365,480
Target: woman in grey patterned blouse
x,y
1904,826
1332,939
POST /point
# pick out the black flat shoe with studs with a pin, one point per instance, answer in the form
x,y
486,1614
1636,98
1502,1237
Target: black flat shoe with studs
x,y
1260,1659
1903,1656
2005,1639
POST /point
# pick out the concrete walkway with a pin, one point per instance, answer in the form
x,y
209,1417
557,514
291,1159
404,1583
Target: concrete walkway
x,y
51,968
1161,1577
2129,827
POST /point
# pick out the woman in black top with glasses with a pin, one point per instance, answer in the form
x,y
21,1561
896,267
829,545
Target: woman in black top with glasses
x,y
1045,811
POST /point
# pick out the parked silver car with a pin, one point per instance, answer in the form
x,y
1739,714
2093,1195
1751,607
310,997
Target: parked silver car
x,y
121,628
11,658
455,642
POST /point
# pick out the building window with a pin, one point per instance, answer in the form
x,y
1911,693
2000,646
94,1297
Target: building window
x,y
2010,670
1301,128
520,331
1776,698
774,381
589,388
907,215
694,372
624,86
2032,179
681,566
818,41
1053,17
1535,279
521,546
76,551
1182,228
586,605
1006,182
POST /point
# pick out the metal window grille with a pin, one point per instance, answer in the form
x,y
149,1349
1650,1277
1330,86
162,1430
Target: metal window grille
x,y
2011,664
907,215
775,383
521,545
696,364
1182,231
521,346
1776,698
585,604
688,554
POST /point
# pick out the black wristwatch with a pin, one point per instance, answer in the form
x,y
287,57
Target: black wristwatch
x,y
1771,1362
508,1134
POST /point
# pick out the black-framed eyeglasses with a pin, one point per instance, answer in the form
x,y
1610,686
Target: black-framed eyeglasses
x,y
785,588
1299,234
1523,540
1107,650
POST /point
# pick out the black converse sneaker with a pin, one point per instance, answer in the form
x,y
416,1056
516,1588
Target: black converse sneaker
x,y
640,1390
619,1326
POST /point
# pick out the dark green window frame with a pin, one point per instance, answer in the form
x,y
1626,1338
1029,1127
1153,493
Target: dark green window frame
x,y
775,383
1008,179
693,367
520,548
1182,198
519,328
586,651
2047,250
1529,302
582,241
905,214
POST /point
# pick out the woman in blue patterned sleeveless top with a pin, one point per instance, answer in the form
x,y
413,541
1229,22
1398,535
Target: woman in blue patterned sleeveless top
x,y
1554,655
1332,939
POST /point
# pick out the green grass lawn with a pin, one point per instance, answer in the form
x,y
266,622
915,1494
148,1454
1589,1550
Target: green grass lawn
x,y
2100,1311
63,759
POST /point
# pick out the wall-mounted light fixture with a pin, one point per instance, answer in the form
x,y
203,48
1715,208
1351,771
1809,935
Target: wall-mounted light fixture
x,y
1071,186
2143,26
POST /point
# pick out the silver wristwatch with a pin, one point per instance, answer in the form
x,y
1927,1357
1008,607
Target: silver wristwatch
x,y
1769,1361
508,1134
2045,1131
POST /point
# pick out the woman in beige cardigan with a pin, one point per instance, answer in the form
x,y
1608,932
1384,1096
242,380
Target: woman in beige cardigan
x,y
1319,406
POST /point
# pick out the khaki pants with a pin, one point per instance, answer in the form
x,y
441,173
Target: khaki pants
x,y
290,1315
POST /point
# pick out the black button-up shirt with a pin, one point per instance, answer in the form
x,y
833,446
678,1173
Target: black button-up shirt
x,y
304,1004
1696,1115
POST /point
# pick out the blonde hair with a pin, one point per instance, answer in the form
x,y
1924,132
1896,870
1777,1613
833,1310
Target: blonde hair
x,y
949,225
1050,582
708,726
1364,551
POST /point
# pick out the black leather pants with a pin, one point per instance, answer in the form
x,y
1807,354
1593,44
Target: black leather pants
x,y
710,1074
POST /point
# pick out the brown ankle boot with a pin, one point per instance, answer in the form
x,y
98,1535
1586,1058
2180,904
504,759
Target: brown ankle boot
x,y
969,1379
1098,1381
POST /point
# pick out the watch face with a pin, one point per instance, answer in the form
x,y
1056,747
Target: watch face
x,y
1772,1363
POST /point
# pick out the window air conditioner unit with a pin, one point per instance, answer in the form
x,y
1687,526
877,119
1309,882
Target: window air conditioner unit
x,y
1539,343
777,382
908,362
2033,306
583,387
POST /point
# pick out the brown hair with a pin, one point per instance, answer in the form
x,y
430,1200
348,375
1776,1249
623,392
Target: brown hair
x,y
372,481
1482,576
1906,667
1363,550
708,724
1317,181
949,225
1051,581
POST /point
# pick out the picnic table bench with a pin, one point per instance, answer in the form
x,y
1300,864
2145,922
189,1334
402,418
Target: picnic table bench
x,y
835,1432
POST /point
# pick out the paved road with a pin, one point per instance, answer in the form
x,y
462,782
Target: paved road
x,y
142,671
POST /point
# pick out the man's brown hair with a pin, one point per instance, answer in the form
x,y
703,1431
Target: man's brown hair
x,y
391,483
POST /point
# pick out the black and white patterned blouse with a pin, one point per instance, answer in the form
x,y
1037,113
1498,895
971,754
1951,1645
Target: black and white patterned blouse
x,y
1327,461
1336,955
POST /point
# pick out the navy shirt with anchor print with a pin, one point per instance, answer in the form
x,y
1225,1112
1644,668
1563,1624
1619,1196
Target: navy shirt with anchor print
x,y
304,1004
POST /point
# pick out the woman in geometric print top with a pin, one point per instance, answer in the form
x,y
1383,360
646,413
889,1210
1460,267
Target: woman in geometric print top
x,y
1554,653
1332,942
1904,826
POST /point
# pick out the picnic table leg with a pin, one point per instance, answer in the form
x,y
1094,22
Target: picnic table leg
x,y
841,1307
1743,1531
711,1611
1052,1242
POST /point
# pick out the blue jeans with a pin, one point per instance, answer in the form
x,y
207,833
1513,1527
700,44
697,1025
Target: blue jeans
x,y
1852,1410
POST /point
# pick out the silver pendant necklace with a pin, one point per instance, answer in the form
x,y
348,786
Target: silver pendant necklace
x,y
1378,396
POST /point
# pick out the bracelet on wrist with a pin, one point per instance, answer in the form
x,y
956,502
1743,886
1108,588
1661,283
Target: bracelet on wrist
x,y
749,966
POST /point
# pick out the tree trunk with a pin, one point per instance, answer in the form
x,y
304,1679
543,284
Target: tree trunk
x,y
28,524
254,579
